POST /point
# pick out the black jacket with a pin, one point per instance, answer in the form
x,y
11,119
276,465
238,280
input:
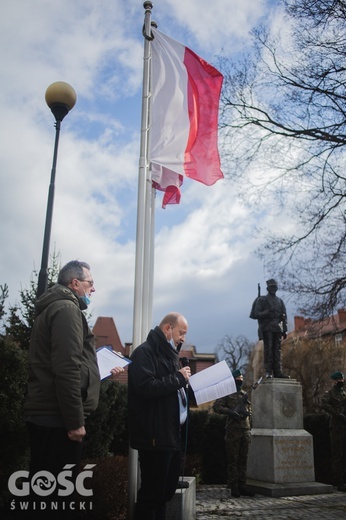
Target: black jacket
x,y
153,384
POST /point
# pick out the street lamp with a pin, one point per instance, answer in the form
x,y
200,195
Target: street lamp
x,y
61,98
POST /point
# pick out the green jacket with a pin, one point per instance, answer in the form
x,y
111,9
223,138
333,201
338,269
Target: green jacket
x,y
64,379
223,405
334,403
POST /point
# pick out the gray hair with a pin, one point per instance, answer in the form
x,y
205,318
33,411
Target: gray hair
x,y
73,269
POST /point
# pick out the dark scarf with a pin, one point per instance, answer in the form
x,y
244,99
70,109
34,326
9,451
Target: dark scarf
x,y
170,353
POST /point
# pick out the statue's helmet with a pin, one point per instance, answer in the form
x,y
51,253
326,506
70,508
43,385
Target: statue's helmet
x,y
271,283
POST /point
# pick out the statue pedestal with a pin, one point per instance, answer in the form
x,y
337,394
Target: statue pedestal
x,y
281,460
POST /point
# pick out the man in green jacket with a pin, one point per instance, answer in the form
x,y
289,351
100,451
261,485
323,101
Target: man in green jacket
x,y
63,383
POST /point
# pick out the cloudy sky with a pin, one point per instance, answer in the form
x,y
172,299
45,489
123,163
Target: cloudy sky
x,y
205,266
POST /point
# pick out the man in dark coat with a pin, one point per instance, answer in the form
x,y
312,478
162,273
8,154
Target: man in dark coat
x,y
157,409
270,311
334,403
237,407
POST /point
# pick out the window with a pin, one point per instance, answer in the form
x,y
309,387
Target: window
x,y
338,339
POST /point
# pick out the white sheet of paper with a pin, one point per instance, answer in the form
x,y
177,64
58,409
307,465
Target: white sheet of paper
x,y
106,360
213,382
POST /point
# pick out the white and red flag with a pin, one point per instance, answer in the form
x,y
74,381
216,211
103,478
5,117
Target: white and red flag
x,y
184,117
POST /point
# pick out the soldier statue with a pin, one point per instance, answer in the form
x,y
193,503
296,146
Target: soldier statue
x,y
270,311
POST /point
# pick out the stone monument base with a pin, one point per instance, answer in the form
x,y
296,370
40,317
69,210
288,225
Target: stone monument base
x,y
281,456
281,460
288,489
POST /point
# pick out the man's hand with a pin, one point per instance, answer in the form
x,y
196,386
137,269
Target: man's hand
x,y
115,372
186,371
77,435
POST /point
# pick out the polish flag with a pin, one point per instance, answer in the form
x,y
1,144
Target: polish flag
x,y
184,117
167,181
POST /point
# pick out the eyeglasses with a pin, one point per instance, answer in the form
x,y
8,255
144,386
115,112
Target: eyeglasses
x,y
91,282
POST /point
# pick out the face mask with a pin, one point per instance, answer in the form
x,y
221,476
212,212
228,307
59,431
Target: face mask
x,y
86,299
340,384
171,341
238,384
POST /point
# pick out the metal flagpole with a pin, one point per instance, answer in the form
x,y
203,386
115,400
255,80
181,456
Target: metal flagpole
x,y
148,264
143,255
149,233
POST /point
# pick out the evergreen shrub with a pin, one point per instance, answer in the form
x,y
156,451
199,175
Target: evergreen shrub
x,y
317,424
14,447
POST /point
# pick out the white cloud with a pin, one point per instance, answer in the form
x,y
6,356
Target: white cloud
x,y
204,265
222,24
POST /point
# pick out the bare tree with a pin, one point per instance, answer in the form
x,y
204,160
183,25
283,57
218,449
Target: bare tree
x,y
236,351
311,362
283,135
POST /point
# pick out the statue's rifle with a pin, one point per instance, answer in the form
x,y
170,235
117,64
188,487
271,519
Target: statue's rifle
x,y
252,313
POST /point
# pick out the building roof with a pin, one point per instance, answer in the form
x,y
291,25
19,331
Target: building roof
x,y
190,352
309,328
106,333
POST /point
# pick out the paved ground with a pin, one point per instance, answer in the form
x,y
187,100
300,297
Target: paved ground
x,y
215,502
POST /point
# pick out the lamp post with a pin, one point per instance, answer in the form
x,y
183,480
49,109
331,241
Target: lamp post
x,y
61,98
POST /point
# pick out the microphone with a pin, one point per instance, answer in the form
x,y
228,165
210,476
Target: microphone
x,y
185,362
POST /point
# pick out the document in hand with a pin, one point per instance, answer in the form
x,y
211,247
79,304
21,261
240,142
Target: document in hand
x,y
212,383
108,359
